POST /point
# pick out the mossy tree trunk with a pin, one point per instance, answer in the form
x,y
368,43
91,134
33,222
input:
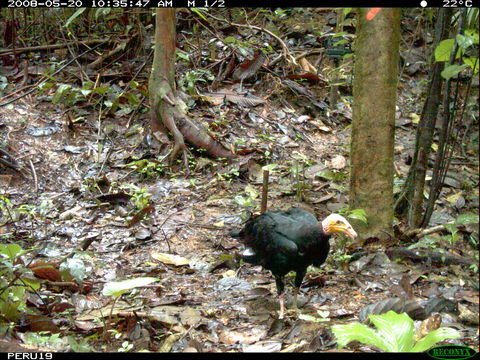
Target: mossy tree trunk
x,y
375,94
168,111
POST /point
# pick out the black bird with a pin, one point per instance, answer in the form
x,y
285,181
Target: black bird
x,y
291,240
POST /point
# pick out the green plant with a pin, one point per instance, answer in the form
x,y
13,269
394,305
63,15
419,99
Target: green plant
x,y
336,176
248,200
15,279
356,214
228,176
395,333
442,53
118,288
126,347
188,81
461,220
140,196
147,168
53,341
6,210
266,137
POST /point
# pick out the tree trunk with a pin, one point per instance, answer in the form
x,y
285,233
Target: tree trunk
x,y
168,111
374,93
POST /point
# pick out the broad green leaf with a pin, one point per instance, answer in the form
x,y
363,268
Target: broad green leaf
x,y
117,288
451,227
452,70
60,93
443,50
435,336
473,34
358,214
395,333
464,41
359,332
396,329
472,63
11,250
33,283
465,219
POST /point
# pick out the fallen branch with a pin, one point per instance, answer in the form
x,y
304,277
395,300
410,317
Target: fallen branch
x,y
425,256
51,46
421,232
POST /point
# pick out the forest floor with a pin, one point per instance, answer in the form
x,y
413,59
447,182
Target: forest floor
x,y
83,184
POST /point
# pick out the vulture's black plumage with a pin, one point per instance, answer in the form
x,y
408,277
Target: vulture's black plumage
x,y
291,240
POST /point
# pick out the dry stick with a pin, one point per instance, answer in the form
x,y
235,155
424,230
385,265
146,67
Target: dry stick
x,y
34,174
419,233
263,207
52,46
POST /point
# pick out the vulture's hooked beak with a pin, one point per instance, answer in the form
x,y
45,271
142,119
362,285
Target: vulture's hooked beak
x,y
344,228
335,223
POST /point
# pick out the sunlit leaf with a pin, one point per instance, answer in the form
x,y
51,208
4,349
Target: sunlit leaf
x,y
434,337
11,250
472,63
395,333
443,50
170,259
465,219
117,288
452,70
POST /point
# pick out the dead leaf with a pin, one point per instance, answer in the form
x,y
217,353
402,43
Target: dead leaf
x,y
307,66
467,315
247,337
247,101
44,270
339,162
168,343
264,346
249,68
41,323
430,324
170,259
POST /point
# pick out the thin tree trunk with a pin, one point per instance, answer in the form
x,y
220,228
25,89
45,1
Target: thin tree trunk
x,y
411,200
374,92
